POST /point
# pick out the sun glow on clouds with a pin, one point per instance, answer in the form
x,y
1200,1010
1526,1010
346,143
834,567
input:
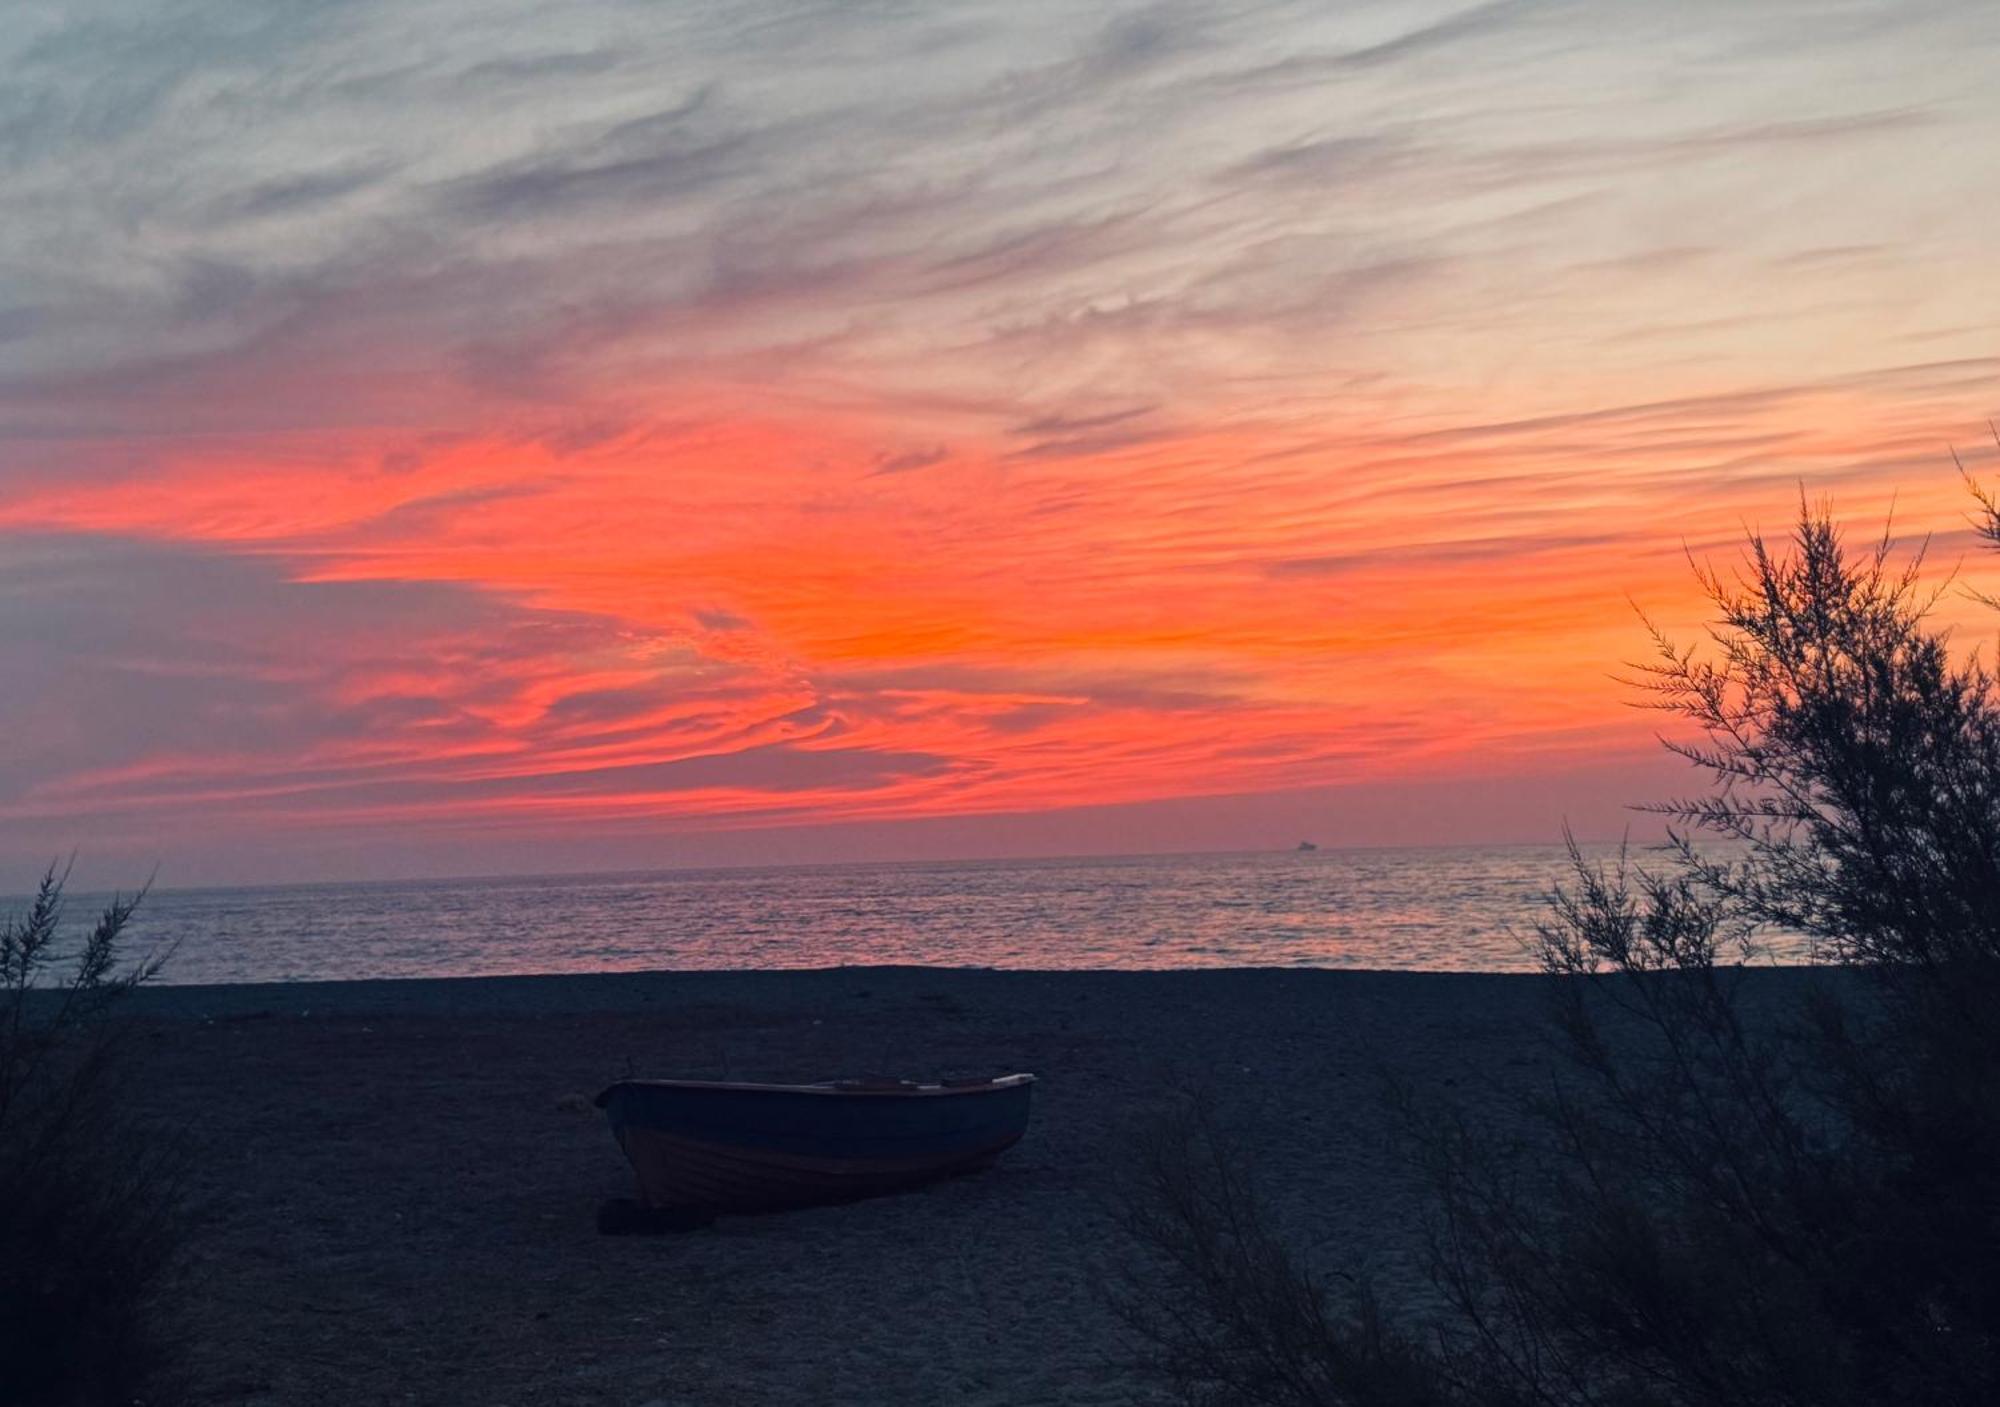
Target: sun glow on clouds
x,y
786,416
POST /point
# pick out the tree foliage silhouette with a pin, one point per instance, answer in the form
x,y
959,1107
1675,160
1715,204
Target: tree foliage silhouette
x,y
1749,1191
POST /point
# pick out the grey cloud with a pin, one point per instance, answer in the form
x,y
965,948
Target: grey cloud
x,y
1935,376
1326,159
21,320
1048,248
1635,158
910,460
608,712
779,768
1039,203
1141,39
528,188
212,288
419,517
771,772
1472,23
1321,62
1101,442
1072,424
1836,128
292,195
538,67
1499,549
1033,717
1192,690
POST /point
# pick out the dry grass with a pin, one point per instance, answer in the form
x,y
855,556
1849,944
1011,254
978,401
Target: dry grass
x,y
89,1191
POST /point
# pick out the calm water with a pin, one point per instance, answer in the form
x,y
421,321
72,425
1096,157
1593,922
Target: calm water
x,y
1413,909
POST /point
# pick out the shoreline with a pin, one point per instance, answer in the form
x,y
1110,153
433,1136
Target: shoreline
x,y
582,992
393,1183
610,991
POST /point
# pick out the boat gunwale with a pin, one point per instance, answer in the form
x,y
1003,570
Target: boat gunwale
x,y
911,1091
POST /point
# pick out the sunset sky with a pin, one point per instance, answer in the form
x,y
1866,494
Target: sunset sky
x,y
453,437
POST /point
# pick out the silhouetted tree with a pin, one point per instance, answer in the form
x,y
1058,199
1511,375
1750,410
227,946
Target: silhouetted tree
x,y
1743,1196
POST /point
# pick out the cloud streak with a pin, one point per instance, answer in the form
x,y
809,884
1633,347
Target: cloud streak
x,y
430,418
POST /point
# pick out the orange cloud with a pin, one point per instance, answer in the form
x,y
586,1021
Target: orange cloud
x,y
742,620
447,429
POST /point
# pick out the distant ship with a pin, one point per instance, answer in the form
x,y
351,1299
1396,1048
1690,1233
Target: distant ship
x,y
1307,845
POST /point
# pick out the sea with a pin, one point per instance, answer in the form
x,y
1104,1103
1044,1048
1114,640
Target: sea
x,y
1432,909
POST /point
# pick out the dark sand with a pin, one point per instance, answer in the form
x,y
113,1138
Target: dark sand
x,y
395,1182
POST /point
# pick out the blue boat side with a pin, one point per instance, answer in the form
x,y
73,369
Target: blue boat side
x,y
860,1124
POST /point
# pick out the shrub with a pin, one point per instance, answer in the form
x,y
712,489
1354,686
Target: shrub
x,y
1218,1303
1735,1202
88,1192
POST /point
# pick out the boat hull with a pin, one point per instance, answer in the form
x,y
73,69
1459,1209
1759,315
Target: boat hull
x,y
753,1148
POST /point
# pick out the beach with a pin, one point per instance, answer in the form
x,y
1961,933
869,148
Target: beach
x,y
394,1183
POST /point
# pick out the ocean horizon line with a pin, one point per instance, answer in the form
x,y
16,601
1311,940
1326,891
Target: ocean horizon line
x,y
93,891
1409,908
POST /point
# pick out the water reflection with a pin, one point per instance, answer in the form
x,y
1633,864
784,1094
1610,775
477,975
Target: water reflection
x,y
1450,909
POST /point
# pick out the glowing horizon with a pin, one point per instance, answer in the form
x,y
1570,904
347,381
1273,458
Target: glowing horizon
x,y
430,435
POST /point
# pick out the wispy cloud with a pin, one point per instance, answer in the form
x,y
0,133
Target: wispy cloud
x,y
436,415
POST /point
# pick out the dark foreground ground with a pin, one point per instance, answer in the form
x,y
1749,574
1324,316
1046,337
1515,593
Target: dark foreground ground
x,y
395,1183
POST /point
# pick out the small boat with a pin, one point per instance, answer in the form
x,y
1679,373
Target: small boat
x,y
1306,845
707,1146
